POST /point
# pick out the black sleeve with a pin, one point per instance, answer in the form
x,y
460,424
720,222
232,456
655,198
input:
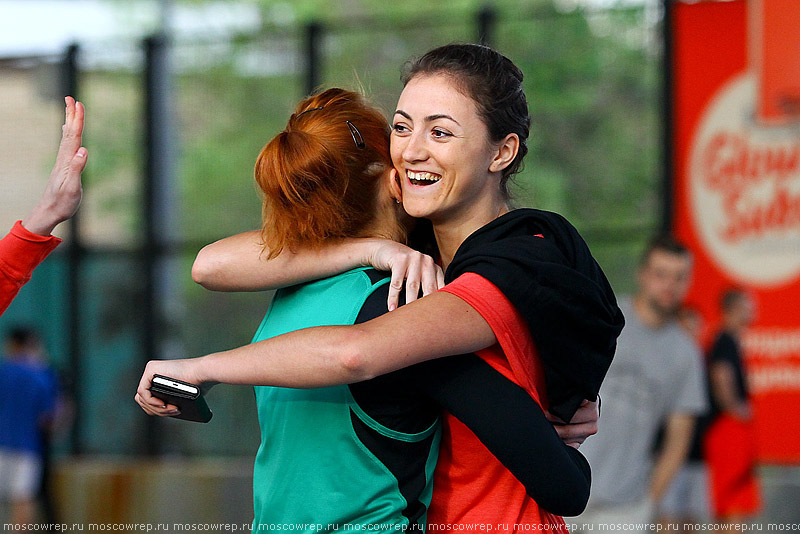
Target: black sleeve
x,y
512,426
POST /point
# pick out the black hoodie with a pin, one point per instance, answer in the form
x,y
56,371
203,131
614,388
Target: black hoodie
x,y
541,264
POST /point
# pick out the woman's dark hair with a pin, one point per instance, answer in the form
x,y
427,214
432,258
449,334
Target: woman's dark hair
x,y
495,85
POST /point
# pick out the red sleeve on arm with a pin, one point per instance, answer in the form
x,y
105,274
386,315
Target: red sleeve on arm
x,y
509,328
20,252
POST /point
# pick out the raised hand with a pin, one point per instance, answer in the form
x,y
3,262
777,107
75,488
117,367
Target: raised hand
x,y
63,192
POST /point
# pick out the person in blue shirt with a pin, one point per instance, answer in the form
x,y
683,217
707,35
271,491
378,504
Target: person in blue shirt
x,y
28,396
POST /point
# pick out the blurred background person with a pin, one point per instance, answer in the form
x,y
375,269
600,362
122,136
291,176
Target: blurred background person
x,y
29,241
729,444
28,397
686,501
656,377
25,345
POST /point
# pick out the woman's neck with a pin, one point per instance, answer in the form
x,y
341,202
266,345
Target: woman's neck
x,y
452,232
389,222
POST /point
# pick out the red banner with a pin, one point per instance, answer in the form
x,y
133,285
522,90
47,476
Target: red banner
x,y
774,42
737,187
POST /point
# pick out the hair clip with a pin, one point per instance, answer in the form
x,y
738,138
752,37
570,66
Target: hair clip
x,y
357,139
310,109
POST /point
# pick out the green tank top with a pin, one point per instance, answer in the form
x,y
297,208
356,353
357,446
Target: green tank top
x,y
313,471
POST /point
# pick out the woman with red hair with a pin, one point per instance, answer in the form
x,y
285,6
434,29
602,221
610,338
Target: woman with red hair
x,y
523,293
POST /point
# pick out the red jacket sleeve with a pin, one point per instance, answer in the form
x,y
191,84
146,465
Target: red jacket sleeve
x,y
20,252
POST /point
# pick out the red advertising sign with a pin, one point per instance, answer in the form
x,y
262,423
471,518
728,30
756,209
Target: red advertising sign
x,y
735,71
774,42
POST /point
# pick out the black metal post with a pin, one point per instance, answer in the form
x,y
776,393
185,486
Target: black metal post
x,y
667,120
313,56
487,20
157,202
70,86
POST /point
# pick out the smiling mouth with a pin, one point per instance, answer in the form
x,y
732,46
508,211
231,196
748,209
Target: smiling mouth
x,y
423,177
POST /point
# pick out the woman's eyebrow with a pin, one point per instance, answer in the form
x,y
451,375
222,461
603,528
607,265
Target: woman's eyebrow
x,y
429,118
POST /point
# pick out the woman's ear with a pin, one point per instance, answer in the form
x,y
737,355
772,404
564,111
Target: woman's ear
x,y
507,150
395,191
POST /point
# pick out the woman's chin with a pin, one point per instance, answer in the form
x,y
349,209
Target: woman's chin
x,y
417,210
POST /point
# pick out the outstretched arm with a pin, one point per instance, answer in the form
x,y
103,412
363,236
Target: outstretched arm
x,y
436,326
433,327
237,263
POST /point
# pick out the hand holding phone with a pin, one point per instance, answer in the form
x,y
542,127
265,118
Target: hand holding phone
x,y
187,397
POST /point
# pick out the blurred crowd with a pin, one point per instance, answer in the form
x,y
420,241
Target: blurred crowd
x,y
675,443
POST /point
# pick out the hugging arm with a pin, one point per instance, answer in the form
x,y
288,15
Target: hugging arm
x,y
512,426
238,263
438,325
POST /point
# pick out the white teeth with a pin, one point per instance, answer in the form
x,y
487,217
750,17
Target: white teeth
x,y
423,176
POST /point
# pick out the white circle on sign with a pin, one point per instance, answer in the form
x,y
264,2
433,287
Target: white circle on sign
x,y
744,188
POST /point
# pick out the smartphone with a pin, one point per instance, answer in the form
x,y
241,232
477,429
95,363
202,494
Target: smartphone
x,y
185,396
